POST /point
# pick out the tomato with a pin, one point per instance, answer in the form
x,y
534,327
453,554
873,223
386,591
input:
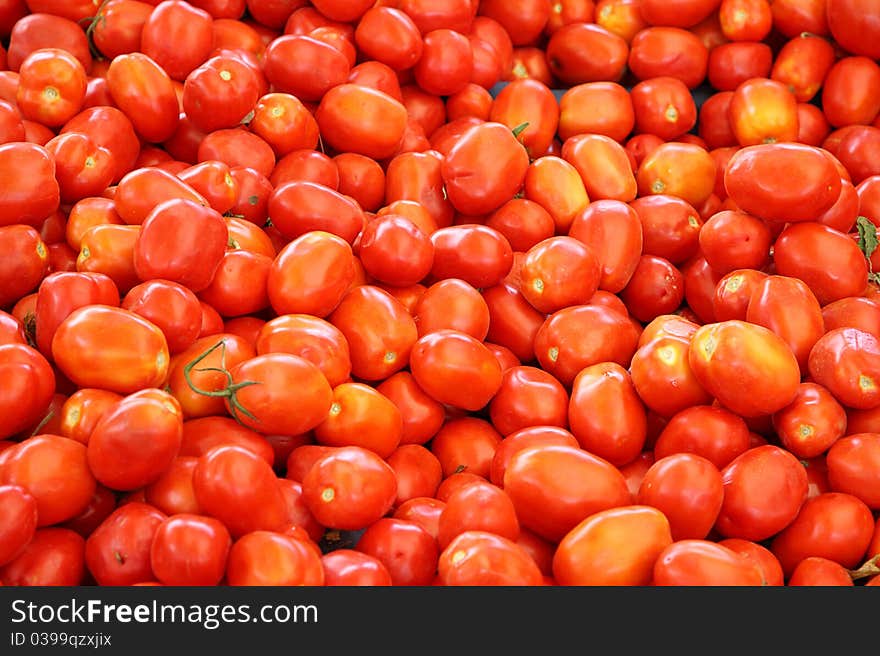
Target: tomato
x,y
143,90
30,191
655,288
424,511
51,88
46,30
671,227
380,331
596,107
832,525
20,515
30,389
536,435
394,250
361,178
53,469
178,36
123,463
140,359
656,51
789,308
140,191
118,26
237,147
172,492
845,101
811,423
218,481
481,558
762,360
25,262
582,335
82,168
613,230
349,488
851,27
474,253
662,376
455,369
347,567
554,487
853,312
708,431
417,177
408,552
618,546
454,304
53,557
704,563
361,416
264,557
586,52
190,549
418,472
465,170
422,415
109,128
757,513
169,305
378,137
678,169
803,63
730,64
817,571
528,397
792,17
688,489
603,165
853,462
769,565
465,445
389,35
118,551
844,361
763,111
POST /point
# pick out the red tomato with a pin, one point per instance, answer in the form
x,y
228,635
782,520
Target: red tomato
x,y
657,51
118,551
240,489
598,108
378,137
141,360
190,549
422,415
688,489
30,191
586,52
407,550
704,563
811,423
263,557
54,471
380,331
554,487
663,378
618,546
349,488
708,431
757,515
173,308
178,36
481,558
617,433
559,272
122,463
845,361
20,514
347,567
732,358
464,445
853,462
143,90
832,525
53,557
455,369
361,416
474,253
465,169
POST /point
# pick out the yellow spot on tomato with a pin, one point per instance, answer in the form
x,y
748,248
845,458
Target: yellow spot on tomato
x,y
328,494
225,75
658,186
458,556
866,383
335,409
553,354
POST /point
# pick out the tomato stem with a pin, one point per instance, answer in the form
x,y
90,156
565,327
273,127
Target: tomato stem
x,y
45,420
229,392
870,568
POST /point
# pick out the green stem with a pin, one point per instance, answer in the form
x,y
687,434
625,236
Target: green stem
x,y
229,392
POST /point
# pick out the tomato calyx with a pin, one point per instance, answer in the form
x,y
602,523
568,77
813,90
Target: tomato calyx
x,y
92,23
230,391
45,420
870,568
868,243
30,329
519,129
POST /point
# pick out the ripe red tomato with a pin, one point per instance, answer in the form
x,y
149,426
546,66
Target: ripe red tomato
x,y
143,90
349,488
118,550
853,462
54,556
481,558
20,513
704,563
618,546
554,487
190,549
845,361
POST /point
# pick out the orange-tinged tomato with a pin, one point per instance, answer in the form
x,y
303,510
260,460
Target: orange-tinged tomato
x,y
704,563
763,111
361,416
532,102
362,120
846,361
663,378
603,165
751,180
556,185
111,348
606,415
618,546
733,358
684,170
